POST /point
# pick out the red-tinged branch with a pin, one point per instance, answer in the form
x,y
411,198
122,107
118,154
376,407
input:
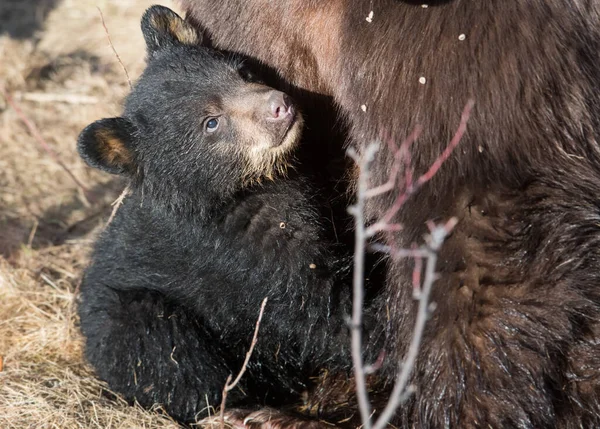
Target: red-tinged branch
x,y
401,156
410,189
462,128
424,255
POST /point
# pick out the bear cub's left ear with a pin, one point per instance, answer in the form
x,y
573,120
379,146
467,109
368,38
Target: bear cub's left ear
x,y
107,144
163,28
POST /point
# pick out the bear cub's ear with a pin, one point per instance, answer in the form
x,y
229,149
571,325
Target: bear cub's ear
x,y
107,144
163,28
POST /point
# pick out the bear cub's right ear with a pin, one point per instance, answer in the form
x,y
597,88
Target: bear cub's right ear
x,y
163,28
107,144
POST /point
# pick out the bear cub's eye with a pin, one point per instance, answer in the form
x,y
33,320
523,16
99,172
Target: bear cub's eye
x,y
211,125
246,74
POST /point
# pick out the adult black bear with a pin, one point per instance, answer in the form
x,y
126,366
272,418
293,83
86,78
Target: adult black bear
x,y
515,340
212,226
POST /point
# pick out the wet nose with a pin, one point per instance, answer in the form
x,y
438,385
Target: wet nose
x,y
280,106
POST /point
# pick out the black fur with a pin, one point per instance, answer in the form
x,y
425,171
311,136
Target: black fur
x,y
171,297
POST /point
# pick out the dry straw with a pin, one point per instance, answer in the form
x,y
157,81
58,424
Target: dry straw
x,y
46,226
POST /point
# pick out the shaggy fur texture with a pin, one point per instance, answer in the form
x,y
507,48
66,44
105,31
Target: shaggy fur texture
x,y
170,300
515,339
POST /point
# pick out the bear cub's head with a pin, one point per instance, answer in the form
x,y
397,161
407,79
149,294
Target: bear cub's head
x,y
196,122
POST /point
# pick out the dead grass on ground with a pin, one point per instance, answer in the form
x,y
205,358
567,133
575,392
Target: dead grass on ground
x,y
56,63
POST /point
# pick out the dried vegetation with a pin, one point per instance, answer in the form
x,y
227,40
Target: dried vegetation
x,y
56,64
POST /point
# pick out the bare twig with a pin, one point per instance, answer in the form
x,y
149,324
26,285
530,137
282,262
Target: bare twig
x,y
427,253
32,233
44,97
230,385
411,187
400,156
38,137
360,242
416,276
401,389
113,47
116,204
462,128
374,367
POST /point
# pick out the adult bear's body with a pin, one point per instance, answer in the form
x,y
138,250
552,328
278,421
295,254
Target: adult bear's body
x,y
515,339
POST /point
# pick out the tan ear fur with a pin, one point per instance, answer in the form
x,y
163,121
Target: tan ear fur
x,y
176,27
112,149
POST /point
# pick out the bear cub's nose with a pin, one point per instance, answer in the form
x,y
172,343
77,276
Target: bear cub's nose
x,y
280,106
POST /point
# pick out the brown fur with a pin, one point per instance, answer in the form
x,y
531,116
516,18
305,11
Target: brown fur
x,y
112,149
515,339
174,26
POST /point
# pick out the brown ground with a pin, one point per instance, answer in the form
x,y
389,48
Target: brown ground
x,y
56,63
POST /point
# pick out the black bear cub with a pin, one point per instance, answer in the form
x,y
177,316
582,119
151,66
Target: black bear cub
x,y
212,226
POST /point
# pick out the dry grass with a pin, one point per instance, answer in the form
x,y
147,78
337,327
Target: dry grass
x,y
56,62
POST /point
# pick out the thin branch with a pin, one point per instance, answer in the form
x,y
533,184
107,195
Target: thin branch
x,y
427,253
32,233
416,276
400,155
376,366
462,128
38,137
113,47
358,283
45,97
401,390
116,204
228,385
411,189
399,253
